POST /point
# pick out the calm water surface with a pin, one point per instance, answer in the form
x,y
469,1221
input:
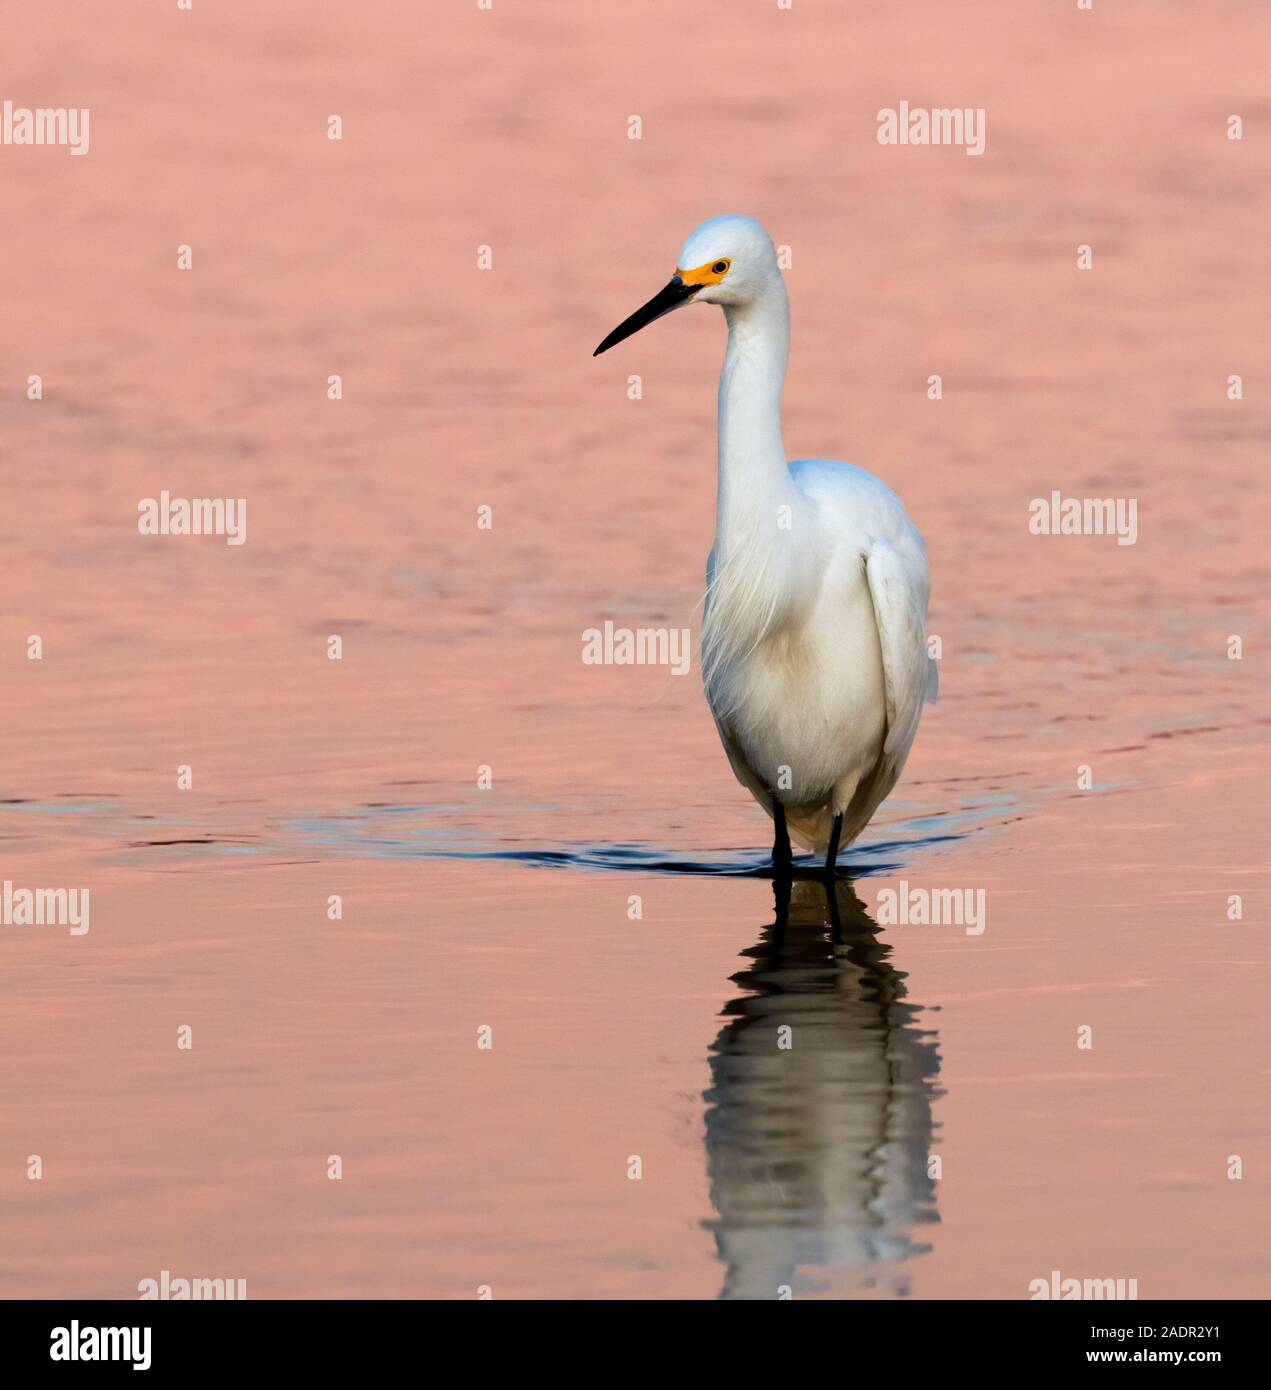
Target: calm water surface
x,y
932,1127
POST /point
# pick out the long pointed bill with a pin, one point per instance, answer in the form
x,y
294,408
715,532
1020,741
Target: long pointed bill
x,y
666,299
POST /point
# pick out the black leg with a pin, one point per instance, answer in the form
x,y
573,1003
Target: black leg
x,y
832,854
832,902
781,856
781,888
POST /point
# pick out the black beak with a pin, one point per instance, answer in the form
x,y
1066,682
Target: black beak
x,y
671,297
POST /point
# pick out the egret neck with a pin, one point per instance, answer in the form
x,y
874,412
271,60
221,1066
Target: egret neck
x,y
758,507
754,480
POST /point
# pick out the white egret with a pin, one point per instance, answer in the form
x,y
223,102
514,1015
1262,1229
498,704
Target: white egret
x,y
814,648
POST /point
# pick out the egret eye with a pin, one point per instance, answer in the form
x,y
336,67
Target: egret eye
x,y
719,267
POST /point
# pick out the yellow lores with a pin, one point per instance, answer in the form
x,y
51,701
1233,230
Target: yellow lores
x,y
709,274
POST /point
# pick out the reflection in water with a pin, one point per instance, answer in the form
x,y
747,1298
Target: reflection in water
x,y
818,1150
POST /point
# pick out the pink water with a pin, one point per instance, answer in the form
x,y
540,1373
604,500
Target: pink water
x,y
810,1167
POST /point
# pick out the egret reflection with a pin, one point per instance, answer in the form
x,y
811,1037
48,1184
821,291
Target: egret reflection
x,y
818,1122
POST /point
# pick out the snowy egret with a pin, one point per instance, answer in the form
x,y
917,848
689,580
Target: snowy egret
x,y
814,647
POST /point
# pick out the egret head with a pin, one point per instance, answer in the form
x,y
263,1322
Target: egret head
x,y
728,261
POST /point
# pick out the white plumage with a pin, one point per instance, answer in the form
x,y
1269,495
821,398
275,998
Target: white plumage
x,y
814,636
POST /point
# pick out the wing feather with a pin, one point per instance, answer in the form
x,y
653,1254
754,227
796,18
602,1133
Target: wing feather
x,y
899,586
